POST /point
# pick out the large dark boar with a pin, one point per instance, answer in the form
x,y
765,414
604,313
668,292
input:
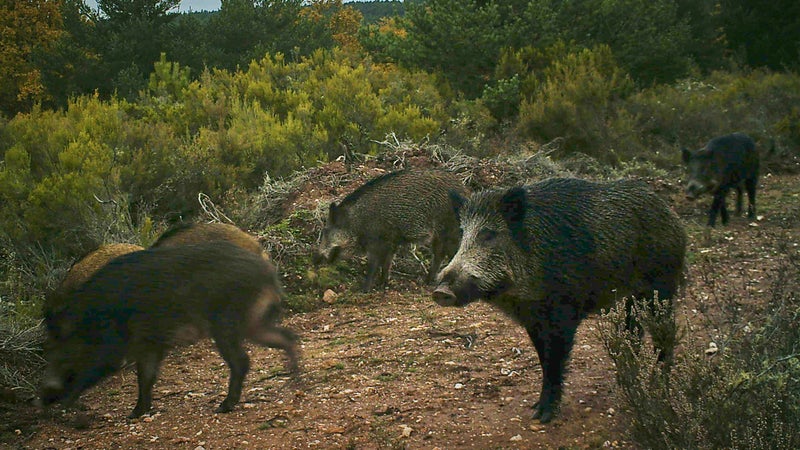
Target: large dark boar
x,y
407,206
140,304
725,162
195,233
92,262
552,252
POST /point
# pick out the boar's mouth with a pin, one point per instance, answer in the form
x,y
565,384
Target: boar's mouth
x,y
695,189
55,391
326,257
444,295
49,396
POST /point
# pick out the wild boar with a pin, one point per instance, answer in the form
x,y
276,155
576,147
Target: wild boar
x,y
726,162
550,253
402,207
92,262
194,233
140,304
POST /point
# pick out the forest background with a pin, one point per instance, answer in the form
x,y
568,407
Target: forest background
x,y
143,107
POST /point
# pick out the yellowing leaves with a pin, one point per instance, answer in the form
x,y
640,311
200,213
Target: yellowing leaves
x,y
25,26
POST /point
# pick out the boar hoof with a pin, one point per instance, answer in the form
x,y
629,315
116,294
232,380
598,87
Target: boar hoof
x,y
443,295
137,412
224,407
544,413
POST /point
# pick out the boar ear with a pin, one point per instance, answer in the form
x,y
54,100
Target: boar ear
x,y
686,155
513,206
457,201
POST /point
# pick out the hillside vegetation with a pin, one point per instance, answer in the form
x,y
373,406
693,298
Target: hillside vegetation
x,y
118,123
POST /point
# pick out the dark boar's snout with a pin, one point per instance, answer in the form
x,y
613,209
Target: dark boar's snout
x,y
455,289
317,258
49,394
443,295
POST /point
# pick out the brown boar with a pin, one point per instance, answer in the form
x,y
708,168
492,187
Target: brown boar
x,y
402,207
194,233
89,264
140,304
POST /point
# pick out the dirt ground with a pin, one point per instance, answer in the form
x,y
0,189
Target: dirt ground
x,y
394,370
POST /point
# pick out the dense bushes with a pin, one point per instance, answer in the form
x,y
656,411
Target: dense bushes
x,y
225,131
585,98
577,99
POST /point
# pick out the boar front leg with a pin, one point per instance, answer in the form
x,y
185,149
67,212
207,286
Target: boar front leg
x,y
553,342
147,364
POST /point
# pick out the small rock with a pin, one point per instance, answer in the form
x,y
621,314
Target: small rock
x,y
329,296
516,438
332,429
199,447
712,349
610,411
405,431
459,386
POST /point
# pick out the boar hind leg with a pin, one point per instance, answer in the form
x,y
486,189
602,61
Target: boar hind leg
x,y
553,345
750,185
280,338
147,364
739,200
230,347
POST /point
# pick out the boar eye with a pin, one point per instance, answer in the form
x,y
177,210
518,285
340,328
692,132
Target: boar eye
x,y
486,235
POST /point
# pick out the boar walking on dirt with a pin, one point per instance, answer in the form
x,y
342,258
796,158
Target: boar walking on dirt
x,y
726,162
552,252
195,233
139,305
402,207
92,262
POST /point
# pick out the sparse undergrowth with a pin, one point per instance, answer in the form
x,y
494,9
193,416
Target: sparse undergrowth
x,y
742,391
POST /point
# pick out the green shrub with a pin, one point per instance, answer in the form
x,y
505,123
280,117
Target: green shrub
x,y
747,395
692,112
577,101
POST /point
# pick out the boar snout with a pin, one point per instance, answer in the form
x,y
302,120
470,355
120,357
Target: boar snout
x,y
49,395
325,255
443,295
455,289
694,190
317,258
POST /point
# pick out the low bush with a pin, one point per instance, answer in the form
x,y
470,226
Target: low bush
x,y
741,392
